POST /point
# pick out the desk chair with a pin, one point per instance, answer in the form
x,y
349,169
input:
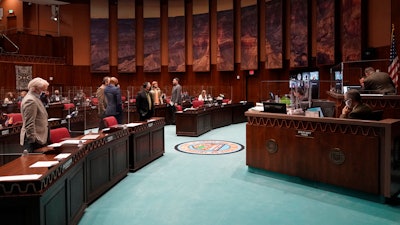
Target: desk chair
x,y
14,118
197,103
58,134
376,115
110,121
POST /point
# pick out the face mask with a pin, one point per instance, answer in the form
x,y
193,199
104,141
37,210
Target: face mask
x,y
348,103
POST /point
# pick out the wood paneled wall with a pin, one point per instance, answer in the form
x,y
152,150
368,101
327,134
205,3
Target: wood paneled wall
x,y
245,87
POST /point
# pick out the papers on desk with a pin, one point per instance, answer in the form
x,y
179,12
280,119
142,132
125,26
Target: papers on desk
x,y
62,156
46,164
133,124
90,137
20,177
55,145
72,142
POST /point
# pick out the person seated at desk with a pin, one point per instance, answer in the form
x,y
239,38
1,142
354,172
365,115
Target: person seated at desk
x,y
56,97
354,108
379,82
21,96
202,96
9,99
300,96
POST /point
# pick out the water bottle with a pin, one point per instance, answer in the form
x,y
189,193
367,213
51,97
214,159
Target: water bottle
x,y
25,152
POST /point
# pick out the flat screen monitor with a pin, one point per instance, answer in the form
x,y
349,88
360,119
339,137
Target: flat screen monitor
x,y
346,88
314,75
338,75
273,107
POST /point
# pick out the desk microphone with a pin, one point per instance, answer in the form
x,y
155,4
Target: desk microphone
x,y
73,114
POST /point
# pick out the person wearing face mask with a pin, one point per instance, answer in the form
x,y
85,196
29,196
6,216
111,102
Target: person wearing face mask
x,y
35,130
354,108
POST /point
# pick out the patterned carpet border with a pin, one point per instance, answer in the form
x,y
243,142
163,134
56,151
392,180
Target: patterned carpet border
x,y
209,147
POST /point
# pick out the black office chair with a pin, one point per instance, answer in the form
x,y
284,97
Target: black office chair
x,y
376,115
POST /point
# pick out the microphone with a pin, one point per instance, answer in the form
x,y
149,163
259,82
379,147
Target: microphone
x,y
72,114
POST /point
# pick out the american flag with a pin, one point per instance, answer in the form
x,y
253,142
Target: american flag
x,y
394,61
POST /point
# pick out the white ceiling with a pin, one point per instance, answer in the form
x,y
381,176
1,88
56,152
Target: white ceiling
x,y
46,2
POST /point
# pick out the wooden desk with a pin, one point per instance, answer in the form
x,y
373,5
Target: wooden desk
x,y
62,192
146,142
197,122
355,154
390,104
10,148
159,111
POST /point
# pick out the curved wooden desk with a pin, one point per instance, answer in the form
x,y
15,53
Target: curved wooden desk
x,y
355,154
199,121
61,192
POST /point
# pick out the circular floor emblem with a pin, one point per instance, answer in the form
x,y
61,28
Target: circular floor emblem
x,y
208,147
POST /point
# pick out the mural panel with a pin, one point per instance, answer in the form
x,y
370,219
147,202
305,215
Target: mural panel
x,y
273,34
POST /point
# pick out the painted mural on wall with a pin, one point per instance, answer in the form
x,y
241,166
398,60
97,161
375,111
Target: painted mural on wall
x,y
225,45
201,42
126,45
273,34
152,45
325,32
351,30
249,30
176,44
23,74
298,33
99,45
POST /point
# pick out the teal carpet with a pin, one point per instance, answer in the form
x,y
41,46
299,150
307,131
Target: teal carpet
x,y
188,189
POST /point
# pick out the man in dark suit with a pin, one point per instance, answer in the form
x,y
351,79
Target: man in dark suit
x,y
35,129
112,94
145,103
354,108
378,81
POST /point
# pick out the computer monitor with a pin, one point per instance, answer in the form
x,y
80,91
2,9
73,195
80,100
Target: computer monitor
x,y
338,75
314,75
349,87
273,107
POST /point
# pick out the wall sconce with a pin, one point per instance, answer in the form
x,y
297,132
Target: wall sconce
x,y
11,12
54,12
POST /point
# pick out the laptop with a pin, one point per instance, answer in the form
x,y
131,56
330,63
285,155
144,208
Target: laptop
x,y
346,88
273,107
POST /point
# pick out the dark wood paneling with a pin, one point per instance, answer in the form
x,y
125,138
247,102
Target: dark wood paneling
x,y
323,150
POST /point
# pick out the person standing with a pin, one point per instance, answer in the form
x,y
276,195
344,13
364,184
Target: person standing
x,y
102,103
35,129
157,94
112,94
176,96
145,103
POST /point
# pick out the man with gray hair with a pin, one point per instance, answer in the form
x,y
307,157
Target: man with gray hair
x,y
35,130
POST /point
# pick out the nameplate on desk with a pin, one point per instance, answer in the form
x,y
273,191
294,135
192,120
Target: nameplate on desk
x,y
304,133
4,132
109,138
149,124
67,164
63,121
